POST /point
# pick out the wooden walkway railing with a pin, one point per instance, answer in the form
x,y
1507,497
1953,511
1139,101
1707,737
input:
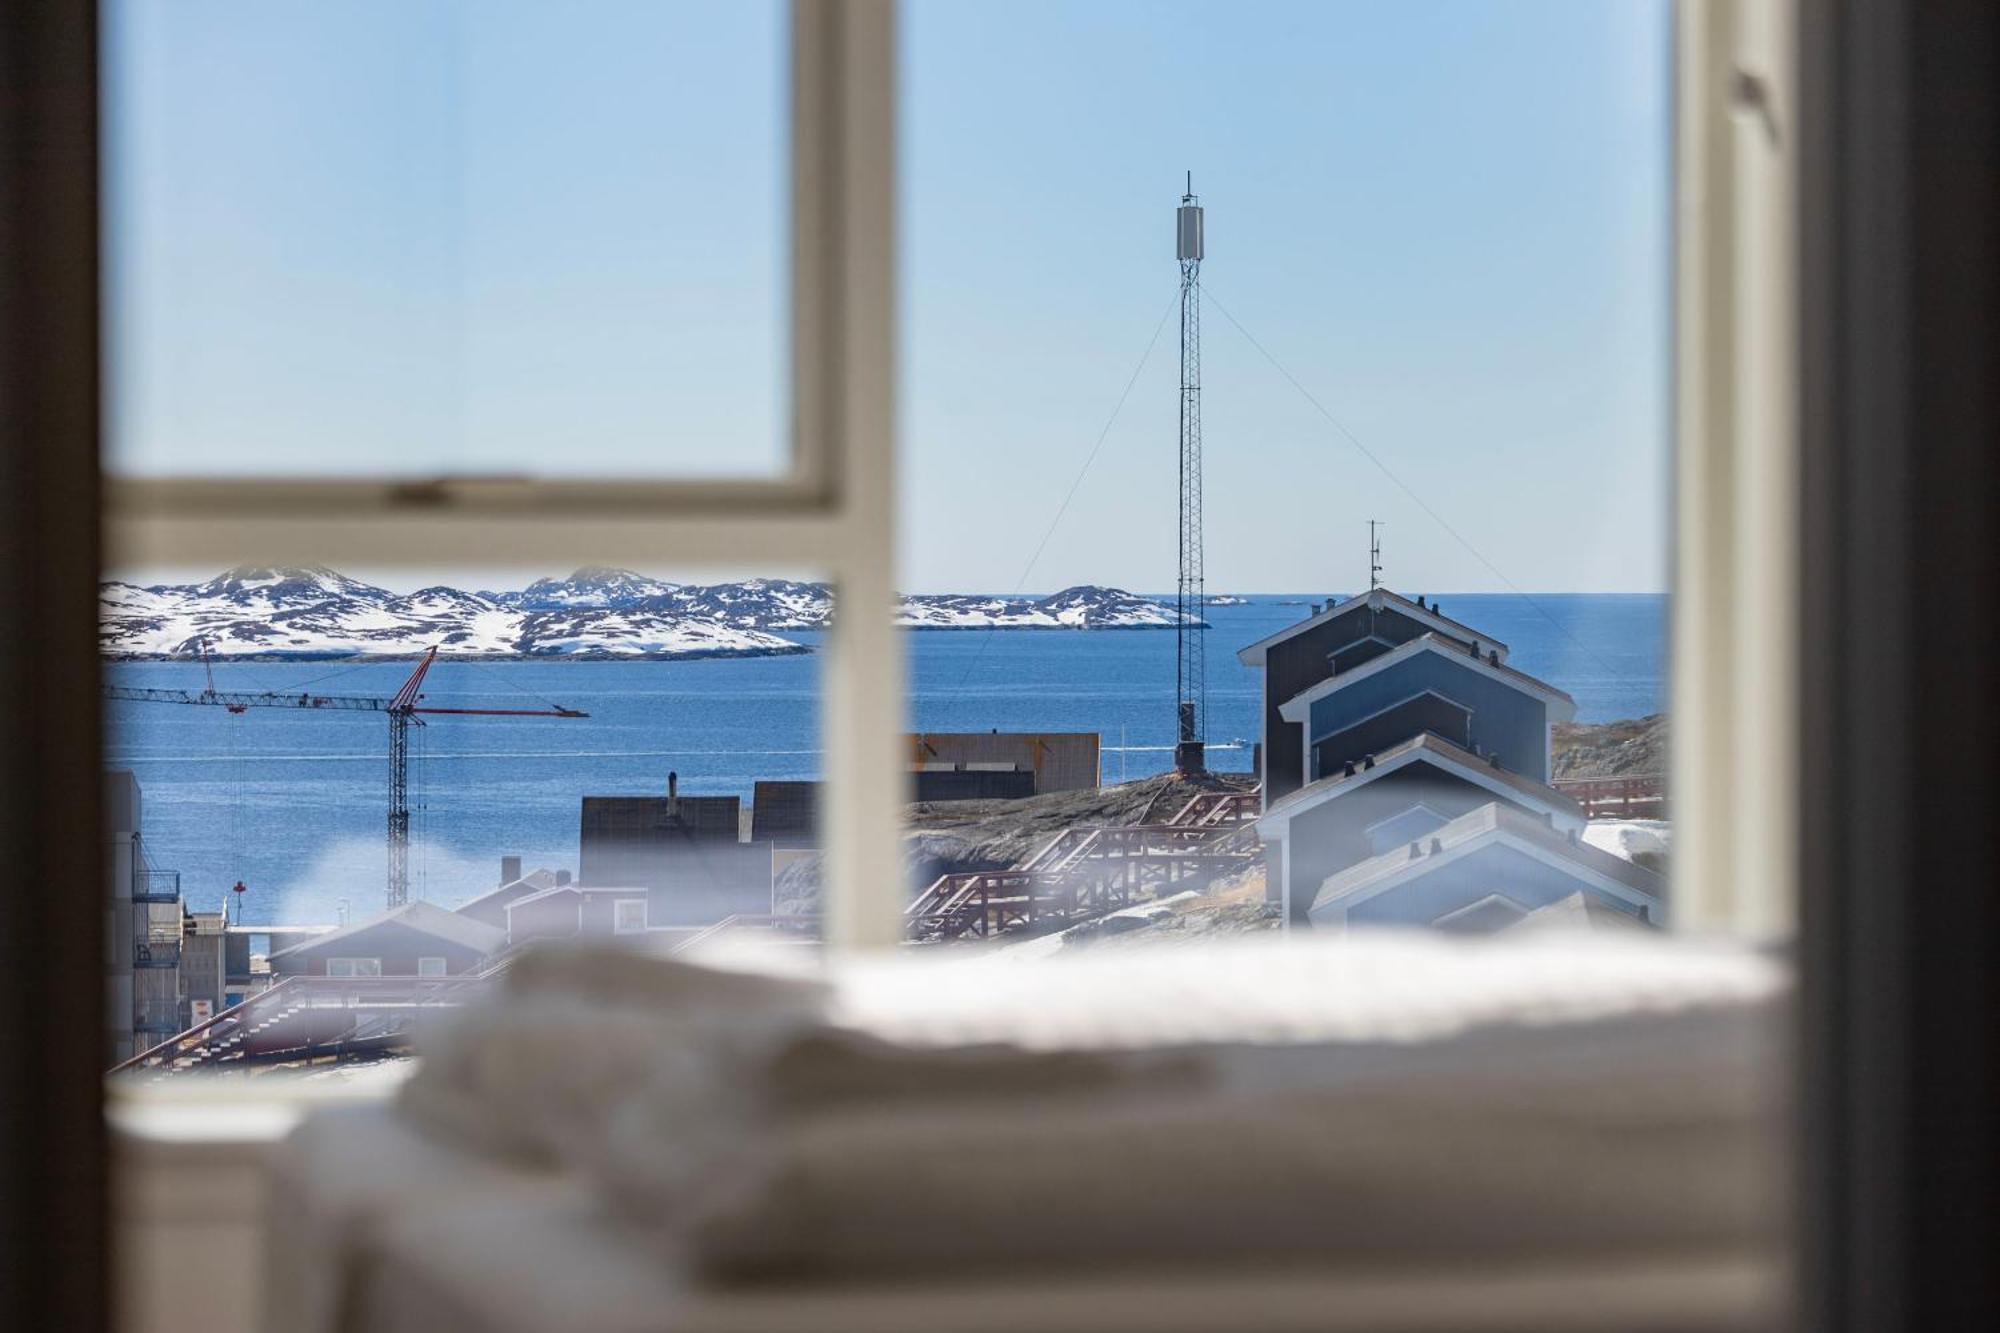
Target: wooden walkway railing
x,y
1087,871
1627,796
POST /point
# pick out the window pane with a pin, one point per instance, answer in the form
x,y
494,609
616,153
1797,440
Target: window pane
x,y
1366,273
480,236
598,753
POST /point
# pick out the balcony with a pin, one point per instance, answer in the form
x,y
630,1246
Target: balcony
x,y
156,886
155,952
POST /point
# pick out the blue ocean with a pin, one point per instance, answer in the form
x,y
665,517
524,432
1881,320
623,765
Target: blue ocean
x,y
292,802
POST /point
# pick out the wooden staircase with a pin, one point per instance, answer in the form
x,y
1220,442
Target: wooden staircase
x,y
1087,871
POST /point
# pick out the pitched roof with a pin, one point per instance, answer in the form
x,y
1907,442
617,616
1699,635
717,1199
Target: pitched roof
x,y
422,917
581,890
1490,824
532,882
1380,599
1432,749
1293,709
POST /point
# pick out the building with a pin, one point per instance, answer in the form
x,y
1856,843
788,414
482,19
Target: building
x,y
491,906
1405,766
687,851
785,814
417,939
1054,760
569,909
143,930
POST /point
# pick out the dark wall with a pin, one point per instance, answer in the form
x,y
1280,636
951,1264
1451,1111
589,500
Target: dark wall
x,y
395,944
978,785
1506,720
1425,713
1301,662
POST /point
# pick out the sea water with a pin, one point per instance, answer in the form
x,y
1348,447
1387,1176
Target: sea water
x,y
292,802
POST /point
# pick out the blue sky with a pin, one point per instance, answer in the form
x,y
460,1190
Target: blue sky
x,y
503,236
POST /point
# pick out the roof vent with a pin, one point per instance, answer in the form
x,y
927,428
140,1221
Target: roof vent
x,y
1416,848
1494,759
1347,770
1368,761
1493,656
673,795
1475,647
1437,846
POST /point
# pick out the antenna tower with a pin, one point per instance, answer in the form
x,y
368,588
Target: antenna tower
x,y
1375,526
1190,671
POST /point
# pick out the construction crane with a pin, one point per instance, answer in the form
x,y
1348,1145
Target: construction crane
x,y
405,709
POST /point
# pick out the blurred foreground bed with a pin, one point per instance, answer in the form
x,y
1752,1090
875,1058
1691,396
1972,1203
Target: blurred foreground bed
x,y
1370,1133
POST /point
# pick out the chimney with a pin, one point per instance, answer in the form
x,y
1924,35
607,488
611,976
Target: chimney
x,y
510,869
1475,647
1493,656
673,795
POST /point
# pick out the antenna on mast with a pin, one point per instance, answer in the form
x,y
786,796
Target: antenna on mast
x,y
1375,553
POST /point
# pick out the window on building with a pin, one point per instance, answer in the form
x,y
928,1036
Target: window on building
x,y
630,916
431,967
354,967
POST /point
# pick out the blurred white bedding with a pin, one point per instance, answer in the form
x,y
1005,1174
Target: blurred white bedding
x,y
1382,1110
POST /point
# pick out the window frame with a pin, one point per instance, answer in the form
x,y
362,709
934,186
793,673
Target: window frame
x,y
443,968
833,513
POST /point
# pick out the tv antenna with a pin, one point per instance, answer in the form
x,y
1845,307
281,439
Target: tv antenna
x,y
1375,525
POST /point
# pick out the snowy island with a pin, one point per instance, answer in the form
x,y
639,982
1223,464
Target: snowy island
x,y
316,612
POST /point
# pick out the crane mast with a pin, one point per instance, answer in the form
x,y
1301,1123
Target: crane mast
x,y
403,710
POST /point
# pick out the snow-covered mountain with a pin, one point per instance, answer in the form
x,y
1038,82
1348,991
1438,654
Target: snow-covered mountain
x,y
1083,607
317,612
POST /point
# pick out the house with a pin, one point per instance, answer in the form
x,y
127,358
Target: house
x,y
571,909
685,850
491,906
1337,638
1491,868
1406,766
417,939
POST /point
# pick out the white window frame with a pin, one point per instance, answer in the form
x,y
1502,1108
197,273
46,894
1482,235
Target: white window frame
x,y
348,968
618,924
833,513
1736,584
442,968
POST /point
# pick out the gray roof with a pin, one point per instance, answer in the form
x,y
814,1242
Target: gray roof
x,y
1490,822
424,918
1437,643
1417,749
1378,597
532,882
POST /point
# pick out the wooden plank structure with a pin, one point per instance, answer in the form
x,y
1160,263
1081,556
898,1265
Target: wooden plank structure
x,y
1088,871
1627,796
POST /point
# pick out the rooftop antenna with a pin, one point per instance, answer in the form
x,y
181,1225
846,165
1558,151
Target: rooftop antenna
x,y
1375,525
1190,671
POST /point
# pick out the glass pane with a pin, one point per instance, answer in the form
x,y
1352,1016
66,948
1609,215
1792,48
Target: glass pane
x,y
473,236
1388,284
608,752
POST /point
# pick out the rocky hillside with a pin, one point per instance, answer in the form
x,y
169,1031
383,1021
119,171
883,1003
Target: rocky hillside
x,y
1611,749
